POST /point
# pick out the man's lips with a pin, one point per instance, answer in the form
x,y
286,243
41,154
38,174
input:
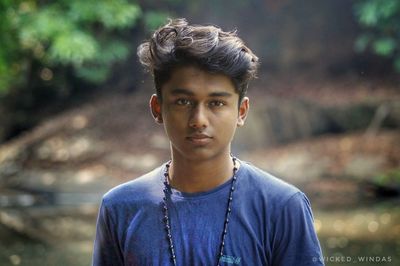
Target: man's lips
x,y
199,138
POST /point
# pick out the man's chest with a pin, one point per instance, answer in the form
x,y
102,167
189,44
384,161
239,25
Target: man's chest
x,y
196,234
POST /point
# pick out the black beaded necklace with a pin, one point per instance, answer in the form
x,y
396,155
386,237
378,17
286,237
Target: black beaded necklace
x,y
227,214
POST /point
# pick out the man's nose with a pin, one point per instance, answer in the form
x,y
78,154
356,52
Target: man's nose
x,y
198,117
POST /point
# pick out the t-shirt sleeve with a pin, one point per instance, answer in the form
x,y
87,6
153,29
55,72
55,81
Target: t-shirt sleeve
x,y
106,249
295,240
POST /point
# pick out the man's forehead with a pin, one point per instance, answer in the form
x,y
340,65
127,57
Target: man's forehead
x,y
189,92
193,80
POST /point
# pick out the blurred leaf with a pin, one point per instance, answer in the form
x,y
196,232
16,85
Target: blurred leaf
x,y
384,46
381,28
119,16
112,14
362,43
371,12
113,51
390,178
43,26
74,47
388,8
368,13
154,19
62,33
93,73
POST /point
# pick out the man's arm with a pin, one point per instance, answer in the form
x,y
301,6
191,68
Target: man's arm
x,y
295,241
106,249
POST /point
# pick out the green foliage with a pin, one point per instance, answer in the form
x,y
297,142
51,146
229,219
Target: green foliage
x,y
391,178
83,34
380,21
154,19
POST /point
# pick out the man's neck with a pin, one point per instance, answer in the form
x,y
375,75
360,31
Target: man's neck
x,y
194,176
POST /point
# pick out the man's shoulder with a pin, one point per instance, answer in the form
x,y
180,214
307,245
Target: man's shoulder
x,y
267,185
136,189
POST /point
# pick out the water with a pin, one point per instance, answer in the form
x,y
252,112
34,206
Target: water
x,y
365,235
32,253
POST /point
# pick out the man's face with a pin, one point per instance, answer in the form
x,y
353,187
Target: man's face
x,y
200,113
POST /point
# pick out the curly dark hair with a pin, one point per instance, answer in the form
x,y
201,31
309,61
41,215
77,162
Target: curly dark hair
x,y
208,47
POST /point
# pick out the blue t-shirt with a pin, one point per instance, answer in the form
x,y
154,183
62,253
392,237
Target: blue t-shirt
x,y
271,224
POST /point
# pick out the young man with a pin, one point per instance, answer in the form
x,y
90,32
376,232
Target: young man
x,y
204,207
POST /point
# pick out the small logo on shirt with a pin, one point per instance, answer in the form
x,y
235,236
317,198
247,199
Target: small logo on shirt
x,y
230,259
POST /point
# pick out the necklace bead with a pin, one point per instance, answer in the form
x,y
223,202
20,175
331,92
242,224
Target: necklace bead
x,y
227,214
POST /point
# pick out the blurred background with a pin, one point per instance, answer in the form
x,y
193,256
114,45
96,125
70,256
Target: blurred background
x,y
74,118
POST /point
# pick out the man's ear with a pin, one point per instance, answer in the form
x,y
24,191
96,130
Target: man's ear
x,y
155,108
243,111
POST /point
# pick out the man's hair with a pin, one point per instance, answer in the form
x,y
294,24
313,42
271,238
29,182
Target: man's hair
x,y
207,47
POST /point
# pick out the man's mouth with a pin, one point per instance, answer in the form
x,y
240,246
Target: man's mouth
x,y
199,138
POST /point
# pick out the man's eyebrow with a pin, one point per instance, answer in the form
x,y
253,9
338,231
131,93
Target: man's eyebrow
x,y
177,91
220,94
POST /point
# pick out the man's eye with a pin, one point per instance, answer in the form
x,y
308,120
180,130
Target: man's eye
x,y
182,102
217,103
